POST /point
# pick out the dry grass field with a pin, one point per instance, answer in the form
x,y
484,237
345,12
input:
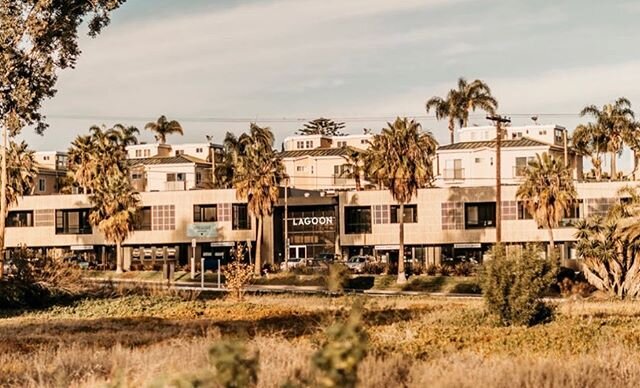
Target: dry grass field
x,y
152,340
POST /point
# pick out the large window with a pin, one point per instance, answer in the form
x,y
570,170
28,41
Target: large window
x,y
357,219
75,221
522,162
240,215
480,215
523,213
143,219
410,214
205,213
573,213
20,218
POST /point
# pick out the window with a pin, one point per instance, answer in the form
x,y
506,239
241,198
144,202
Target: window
x,y
558,136
380,214
523,213
453,170
300,145
19,218
522,162
42,185
240,214
179,152
573,213
364,141
357,219
138,153
480,215
181,176
171,177
137,175
205,213
300,168
410,213
147,153
342,144
198,177
542,132
143,219
478,160
224,212
163,217
45,158
199,150
75,221
309,144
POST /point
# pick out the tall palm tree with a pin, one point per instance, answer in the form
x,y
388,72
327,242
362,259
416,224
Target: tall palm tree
x,y
548,192
401,159
459,102
589,140
224,170
22,171
613,120
353,168
163,127
126,135
258,173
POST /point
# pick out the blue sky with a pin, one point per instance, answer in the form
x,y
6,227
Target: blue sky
x,y
261,60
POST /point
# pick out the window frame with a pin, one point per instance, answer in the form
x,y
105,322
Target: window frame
x,y
28,221
364,218
486,211
237,221
200,211
62,226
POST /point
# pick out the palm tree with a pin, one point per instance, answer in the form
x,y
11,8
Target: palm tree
x,y
631,137
163,127
548,192
353,168
401,159
115,204
81,161
22,172
459,102
589,140
224,171
613,121
127,135
258,172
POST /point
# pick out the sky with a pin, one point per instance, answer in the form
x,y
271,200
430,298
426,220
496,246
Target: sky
x,y
216,66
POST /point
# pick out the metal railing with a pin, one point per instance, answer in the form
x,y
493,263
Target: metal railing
x,y
451,174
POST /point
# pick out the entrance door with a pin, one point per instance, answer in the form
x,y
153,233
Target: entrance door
x,y
297,251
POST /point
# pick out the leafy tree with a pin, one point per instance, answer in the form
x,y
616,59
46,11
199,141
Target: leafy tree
x,y
548,192
163,127
37,39
400,158
237,274
589,140
257,174
98,162
458,102
513,285
612,122
609,247
22,172
322,126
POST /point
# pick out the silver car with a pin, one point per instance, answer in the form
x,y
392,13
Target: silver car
x,y
357,263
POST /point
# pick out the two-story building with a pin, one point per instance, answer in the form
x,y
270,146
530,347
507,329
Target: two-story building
x,y
52,168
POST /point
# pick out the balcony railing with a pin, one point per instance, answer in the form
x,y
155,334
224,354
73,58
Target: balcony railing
x,y
451,174
176,186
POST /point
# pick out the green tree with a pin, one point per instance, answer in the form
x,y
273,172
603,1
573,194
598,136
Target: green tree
x,y
400,158
258,173
548,192
38,38
612,121
459,102
609,247
163,127
322,126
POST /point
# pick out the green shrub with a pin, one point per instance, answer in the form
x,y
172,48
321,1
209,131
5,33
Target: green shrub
x,y
466,287
374,268
443,270
338,277
339,356
234,369
431,270
514,284
463,269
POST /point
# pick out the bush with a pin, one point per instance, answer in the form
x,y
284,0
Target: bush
x,y
443,270
338,277
374,268
417,269
463,269
339,356
237,274
513,286
431,270
234,369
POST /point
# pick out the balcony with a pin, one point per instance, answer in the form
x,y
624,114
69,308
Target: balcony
x,y
341,180
175,186
453,174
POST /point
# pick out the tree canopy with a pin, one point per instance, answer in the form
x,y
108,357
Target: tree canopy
x,y
322,126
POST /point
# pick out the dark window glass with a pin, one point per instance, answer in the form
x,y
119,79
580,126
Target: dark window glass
x,y
240,216
480,215
20,218
205,213
573,213
74,221
410,214
357,219
143,219
523,213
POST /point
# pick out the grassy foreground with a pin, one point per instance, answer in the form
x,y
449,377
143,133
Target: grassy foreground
x,y
141,340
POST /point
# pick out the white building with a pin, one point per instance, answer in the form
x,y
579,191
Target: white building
x,y
170,173
471,162
306,142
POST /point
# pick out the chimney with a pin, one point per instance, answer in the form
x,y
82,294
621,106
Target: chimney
x,y
164,150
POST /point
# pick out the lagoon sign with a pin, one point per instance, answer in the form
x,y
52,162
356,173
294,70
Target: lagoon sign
x,y
312,221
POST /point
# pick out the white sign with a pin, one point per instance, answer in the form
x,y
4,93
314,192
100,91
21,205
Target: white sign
x,y
470,245
81,247
312,221
387,247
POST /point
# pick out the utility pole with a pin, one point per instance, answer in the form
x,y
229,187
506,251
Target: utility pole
x,y
498,120
286,223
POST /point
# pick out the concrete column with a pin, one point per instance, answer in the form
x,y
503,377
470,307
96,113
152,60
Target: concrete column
x,y
437,254
127,253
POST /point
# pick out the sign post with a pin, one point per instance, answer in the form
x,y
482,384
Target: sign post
x,y
193,258
219,274
202,272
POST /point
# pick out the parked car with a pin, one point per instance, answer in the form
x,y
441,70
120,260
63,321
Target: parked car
x,y
293,263
356,263
326,257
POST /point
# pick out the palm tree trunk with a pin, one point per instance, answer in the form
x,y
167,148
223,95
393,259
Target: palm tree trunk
x,y
452,126
552,244
401,276
635,164
3,199
358,183
119,259
258,259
